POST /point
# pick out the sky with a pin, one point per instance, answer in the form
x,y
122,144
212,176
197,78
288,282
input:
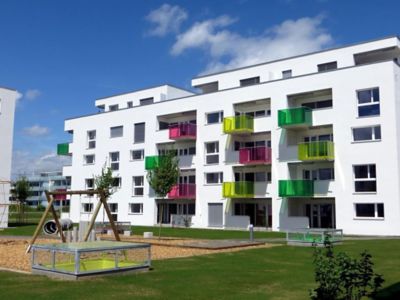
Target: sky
x,y
63,55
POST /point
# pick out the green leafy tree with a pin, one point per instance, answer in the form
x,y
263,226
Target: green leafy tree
x,y
21,192
342,277
163,177
104,182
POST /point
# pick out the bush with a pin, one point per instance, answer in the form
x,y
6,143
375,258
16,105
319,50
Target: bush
x,y
342,277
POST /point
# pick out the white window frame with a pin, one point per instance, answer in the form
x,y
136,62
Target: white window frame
x,y
375,217
85,159
91,140
86,184
220,117
131,212
371,102
118,136
374,139
111,206
141,154
114,163
206,154
119,182
369,178
87,205
220,178
137,186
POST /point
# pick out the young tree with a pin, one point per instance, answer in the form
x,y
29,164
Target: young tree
x,y
21,191
104,182
163,177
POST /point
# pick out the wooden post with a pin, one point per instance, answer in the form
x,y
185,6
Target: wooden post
x,y
92,221
53,211
108,212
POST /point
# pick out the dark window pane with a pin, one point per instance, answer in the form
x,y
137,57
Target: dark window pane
x,y
139,133
260,113
212,178
364,96
365,210
369,110
327,66
249,81
361,171
372,171
381,213
116,131
325,174
192,151
213,118
375,95
163,125
362,134
212,159
146,101
377,132
324,104
365,186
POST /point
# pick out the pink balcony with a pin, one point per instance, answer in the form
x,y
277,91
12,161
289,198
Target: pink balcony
x,y
182,131
183,191
255,155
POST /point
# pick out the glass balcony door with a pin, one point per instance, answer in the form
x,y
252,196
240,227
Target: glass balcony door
x,y
321,215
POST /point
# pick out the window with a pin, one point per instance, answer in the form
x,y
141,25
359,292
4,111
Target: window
x,y
113,207
372,133
320,138
146,101
286,74
260,177
364,178
269,176
91,139
368,102
326,174
249,81
254,114
163,125
116,182
213,178
212,153
129,104
327,66
369,210
116,131
138,186
137,154
89,159
318,104
136,208
192,150
114,161
139,133
87,207
113,107
215,117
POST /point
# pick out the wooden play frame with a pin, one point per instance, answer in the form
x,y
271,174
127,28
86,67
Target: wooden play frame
x,y
50,207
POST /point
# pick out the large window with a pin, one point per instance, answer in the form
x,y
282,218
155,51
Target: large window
x,y
371,133
364,178
136,208
89,159
249,81
139,133
368,102
116,131
215,117
369,210
114,161
327,66
91,139
137,154
214,178
138,185
212,153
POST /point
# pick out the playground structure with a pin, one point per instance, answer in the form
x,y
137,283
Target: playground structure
x,y
313,236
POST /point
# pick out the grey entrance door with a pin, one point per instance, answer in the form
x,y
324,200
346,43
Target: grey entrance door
x,y
215,212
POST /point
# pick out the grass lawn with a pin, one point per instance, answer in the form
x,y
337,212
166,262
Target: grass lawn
x,y
276,273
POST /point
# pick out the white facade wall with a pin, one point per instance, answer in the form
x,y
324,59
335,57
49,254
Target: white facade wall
x,y
7,107
338,120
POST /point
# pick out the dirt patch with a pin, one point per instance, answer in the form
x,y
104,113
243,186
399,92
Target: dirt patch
x,y
12,252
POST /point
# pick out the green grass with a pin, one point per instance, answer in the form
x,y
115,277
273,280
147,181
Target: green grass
x,y
280,272
20,230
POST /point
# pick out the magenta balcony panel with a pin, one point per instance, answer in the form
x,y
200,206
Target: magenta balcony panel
x,y
183,191
255,155
182,131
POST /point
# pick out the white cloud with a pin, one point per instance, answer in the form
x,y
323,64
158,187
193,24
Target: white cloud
x,y
26,163
32,94
227,49
36,130
166,19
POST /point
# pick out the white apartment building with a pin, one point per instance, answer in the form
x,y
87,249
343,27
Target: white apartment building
x,y
307,141
8,99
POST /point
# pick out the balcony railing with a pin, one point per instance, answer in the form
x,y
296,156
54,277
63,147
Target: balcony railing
x,y
238,125
151,162
314,151
255,155
240,189
296,188
299,116
183,191
182,131
63,149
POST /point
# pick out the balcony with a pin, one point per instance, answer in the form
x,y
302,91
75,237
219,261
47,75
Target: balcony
x,y
63,149
239,125
240,189
182,131
255,155
151,162
316,151
296,188
183,191
295,117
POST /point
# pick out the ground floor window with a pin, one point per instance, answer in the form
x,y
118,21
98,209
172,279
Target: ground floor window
x,y
260,214
166,210
87,207
369,210
136,208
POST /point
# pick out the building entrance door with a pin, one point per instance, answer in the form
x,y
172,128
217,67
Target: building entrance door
x,y
321,215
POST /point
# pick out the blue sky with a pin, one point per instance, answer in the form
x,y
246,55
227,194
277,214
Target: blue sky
x,y
62,55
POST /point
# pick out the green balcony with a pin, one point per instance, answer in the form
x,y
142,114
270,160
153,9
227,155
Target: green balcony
x,y
316,151
240,189
238,125
63,149
151,162
295,117
296,188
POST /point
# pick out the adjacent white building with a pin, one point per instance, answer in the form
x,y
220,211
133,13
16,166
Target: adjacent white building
x,y
8,99
306,141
